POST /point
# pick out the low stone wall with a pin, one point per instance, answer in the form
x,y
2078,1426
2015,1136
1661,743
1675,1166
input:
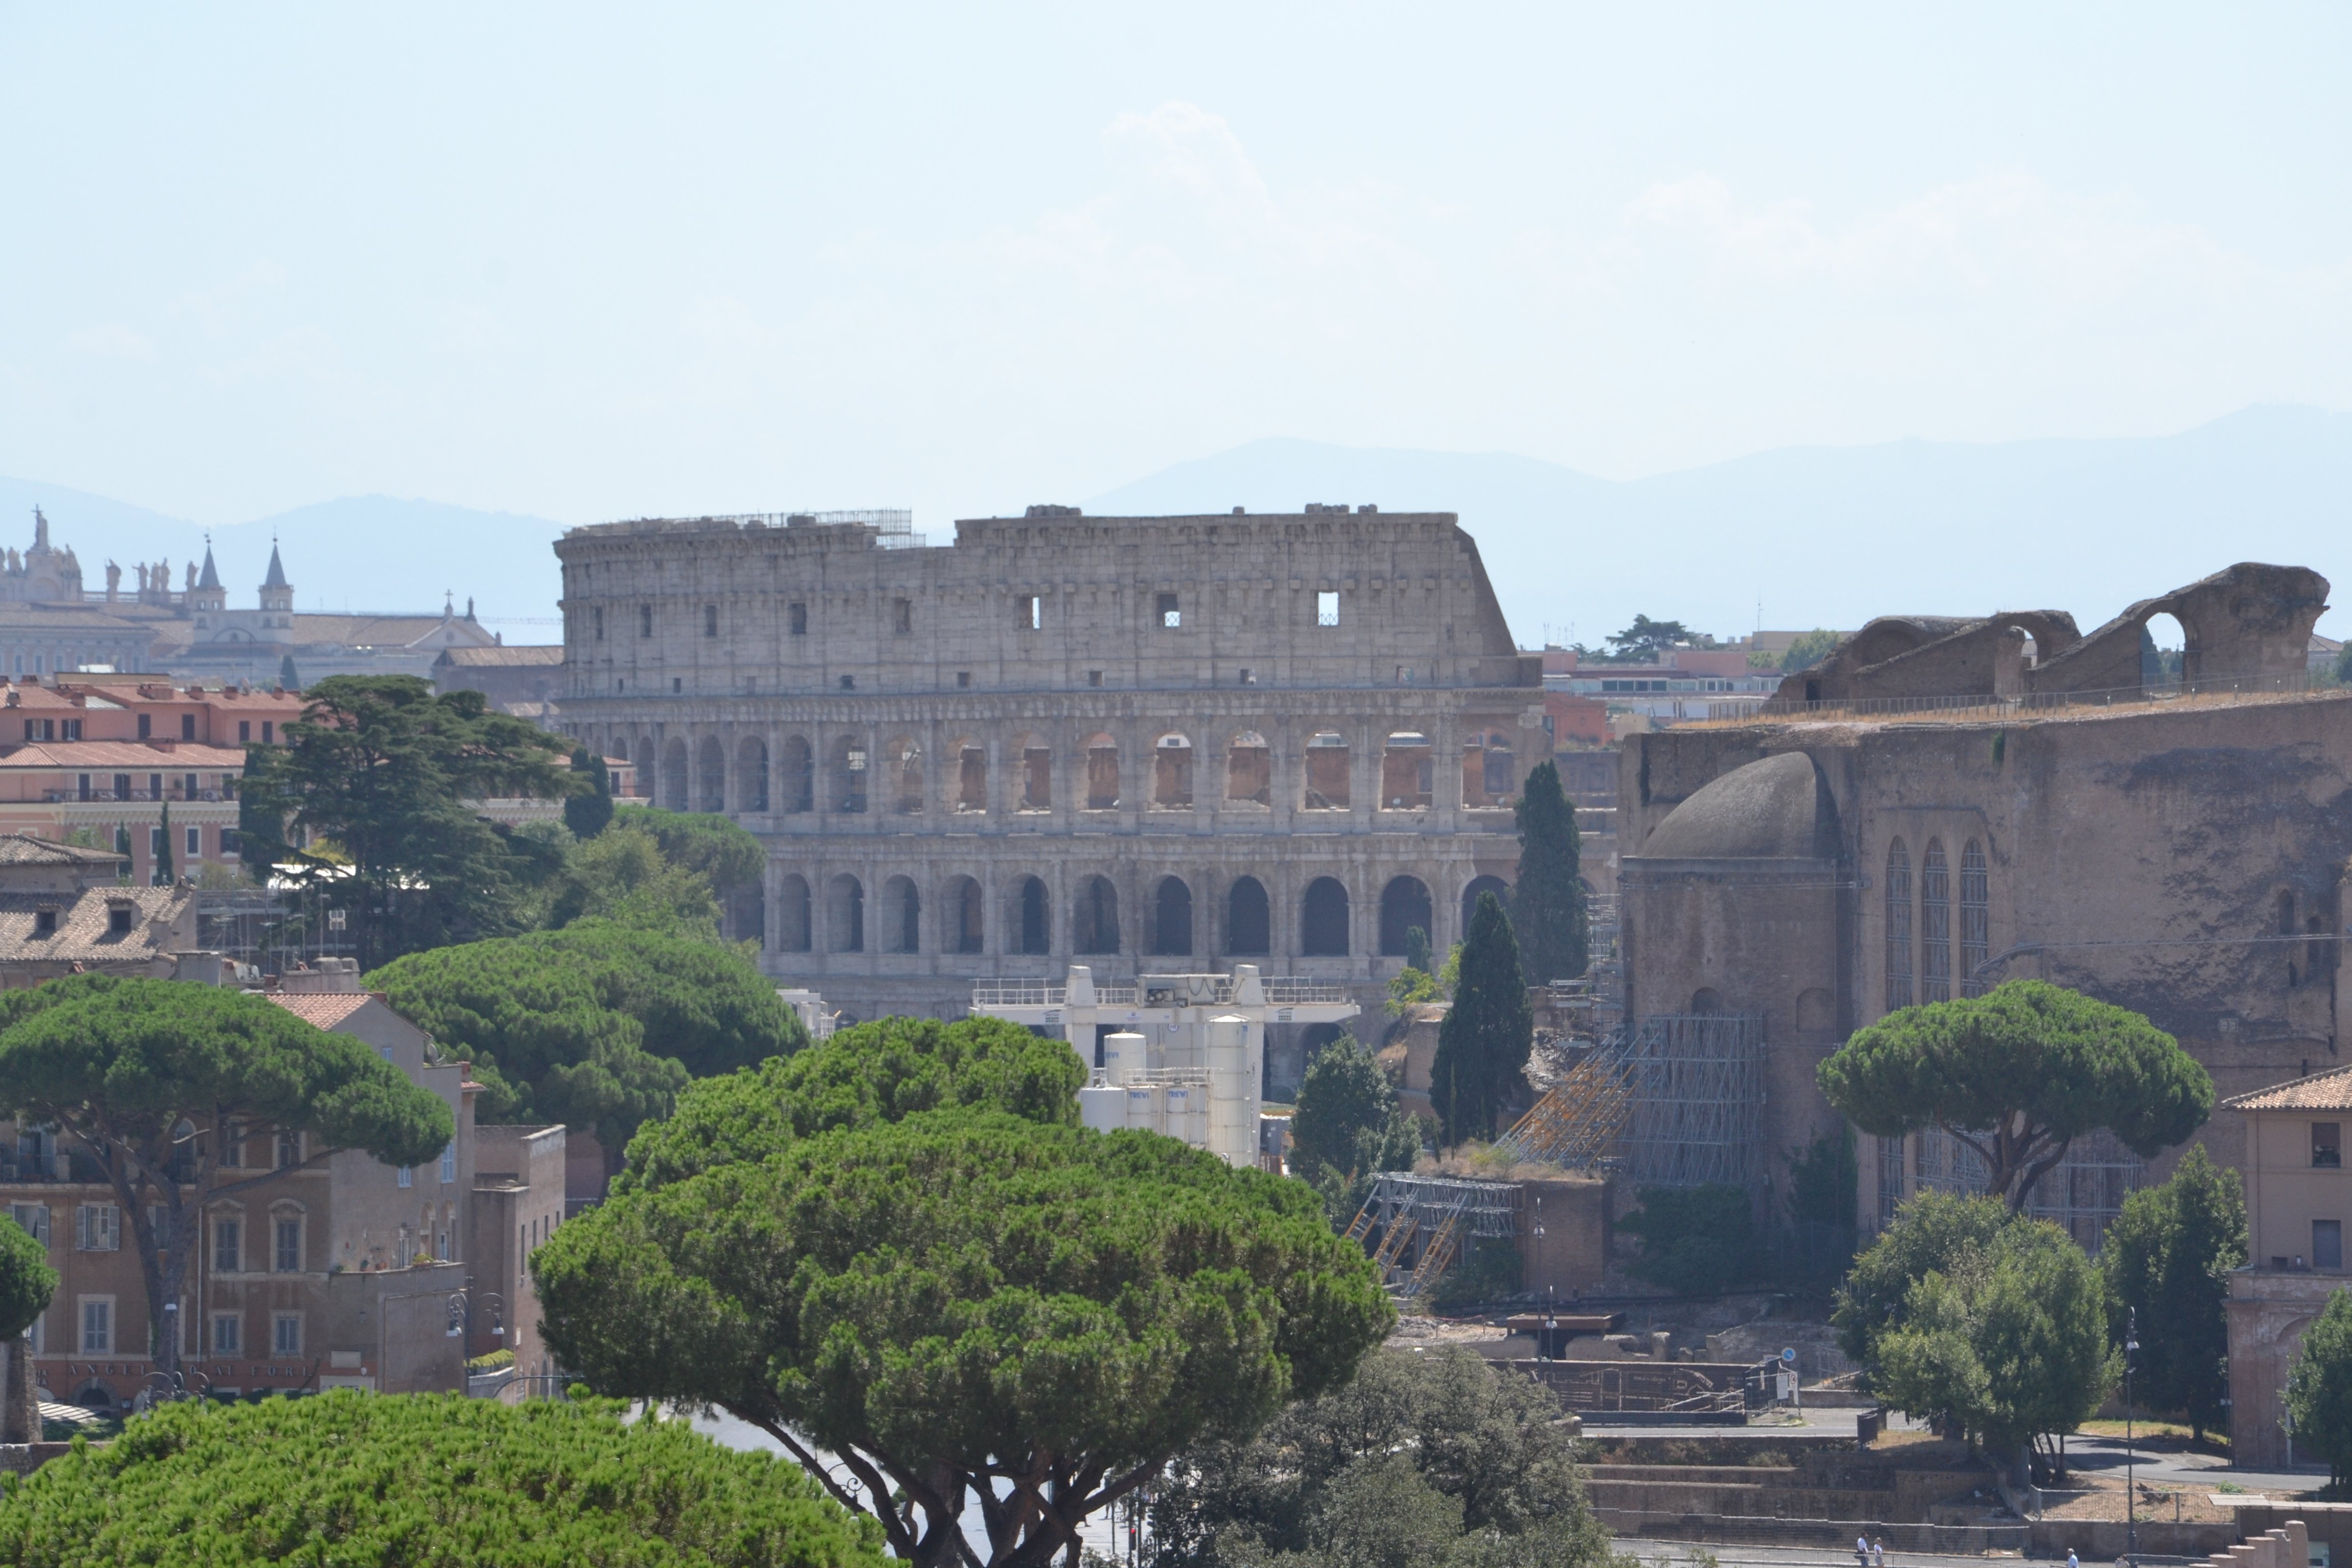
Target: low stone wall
x,y
23,1459
2104,1540
1954,1539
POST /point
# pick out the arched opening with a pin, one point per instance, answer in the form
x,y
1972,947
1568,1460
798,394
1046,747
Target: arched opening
x,y
1249,771
848,775
1934,924
962,931
1102,774
971,778
643,784
673,781
1171,935
1249,919
903,762
796,776
1898,925
710,763
751,775
1408,772
1495,884
902,916
1037,774
1326,772
1976,921
1489,772
1323,919
2163,651
846,914
792,926
1704,1000
1171,773
747,914
1094,920
1030,917
1405,907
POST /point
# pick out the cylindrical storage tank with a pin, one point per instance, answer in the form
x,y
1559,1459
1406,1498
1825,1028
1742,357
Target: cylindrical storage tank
x,y
1147,1107
1123,1056
1188,1113
1231,1135
1103,1107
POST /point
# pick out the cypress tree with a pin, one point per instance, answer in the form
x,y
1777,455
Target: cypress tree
x,y
164,874
1548,908
587,813
1486,1035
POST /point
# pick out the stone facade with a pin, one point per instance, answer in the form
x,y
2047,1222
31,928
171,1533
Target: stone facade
x,y
1118,740
2179,852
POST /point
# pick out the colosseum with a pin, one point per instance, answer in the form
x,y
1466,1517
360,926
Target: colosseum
x,y
1138,744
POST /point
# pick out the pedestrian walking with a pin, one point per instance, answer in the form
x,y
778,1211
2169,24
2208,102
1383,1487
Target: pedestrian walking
x,y
1862,1551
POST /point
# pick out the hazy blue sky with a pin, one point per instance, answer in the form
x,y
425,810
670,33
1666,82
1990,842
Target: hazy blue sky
x,y
589,261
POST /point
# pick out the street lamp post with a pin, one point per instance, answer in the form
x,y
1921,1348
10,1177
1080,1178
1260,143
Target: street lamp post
x,y
2131,1491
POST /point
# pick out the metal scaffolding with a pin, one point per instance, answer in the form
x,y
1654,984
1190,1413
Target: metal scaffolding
x,y
1416,1227
1696,1085
1576,1124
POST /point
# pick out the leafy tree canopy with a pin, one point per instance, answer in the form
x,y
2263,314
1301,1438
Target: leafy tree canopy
x,y
599,1025
1346,1127
120,1065
382,769
350,1478
2018,1074
2319,1389
1420,1461
1484,1043
1549,915
1930,1232
964,1301
2168,1257
1809,650
1695,1240
1411,985
27,1281
2010,1341
1645,639
883,1071
703,842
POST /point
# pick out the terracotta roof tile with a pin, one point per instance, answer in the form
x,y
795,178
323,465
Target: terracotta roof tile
x,y
29,849
83,933
2330,1090
324,1009
134,756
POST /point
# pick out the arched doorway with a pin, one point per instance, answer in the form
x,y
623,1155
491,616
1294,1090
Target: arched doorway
x,y
902,916
1172,918
1249,922
793,914
963,912
710,759
1094,922
1032,917
846,914
1405,907
1323,919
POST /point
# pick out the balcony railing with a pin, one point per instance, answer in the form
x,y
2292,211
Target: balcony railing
x,y
1281,991
95,796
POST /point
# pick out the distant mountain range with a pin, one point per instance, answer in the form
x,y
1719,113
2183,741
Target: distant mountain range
x,y
1832,535
1817,535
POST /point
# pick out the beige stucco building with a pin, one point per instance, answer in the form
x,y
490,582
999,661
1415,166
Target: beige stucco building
x,y
2298,1198
1279,738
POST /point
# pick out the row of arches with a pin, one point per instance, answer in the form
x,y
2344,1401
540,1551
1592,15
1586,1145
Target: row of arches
x,y
1920,933
897,781
831,916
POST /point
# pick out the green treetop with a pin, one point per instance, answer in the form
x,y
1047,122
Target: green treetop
x,y
2319,1389
2017,1075
1930,1232
599,1025
1548,908
350,1478
27,1283
1346,1127
2169,1257
1488,1032
143,1074
586,813
366,801
967,1309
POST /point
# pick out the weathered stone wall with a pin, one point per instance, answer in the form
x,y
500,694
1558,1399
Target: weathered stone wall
x,y
2186,860
993,758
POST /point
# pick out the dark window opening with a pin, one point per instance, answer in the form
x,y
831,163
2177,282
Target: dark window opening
x,y
1249,924
1165,607
798,615
2327,1145
711,620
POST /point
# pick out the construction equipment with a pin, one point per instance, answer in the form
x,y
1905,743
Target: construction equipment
x,y
1575,1124
1393,1242
1438,1254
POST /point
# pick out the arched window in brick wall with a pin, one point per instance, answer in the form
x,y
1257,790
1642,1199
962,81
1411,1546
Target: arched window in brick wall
x,y
1030,917
1172,919
1171,773
1934,924
1898,926
961,910
1249,769
1094,922
1326,772
1037,774
1102,774
902,916
1323,919
1976,919
971,778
